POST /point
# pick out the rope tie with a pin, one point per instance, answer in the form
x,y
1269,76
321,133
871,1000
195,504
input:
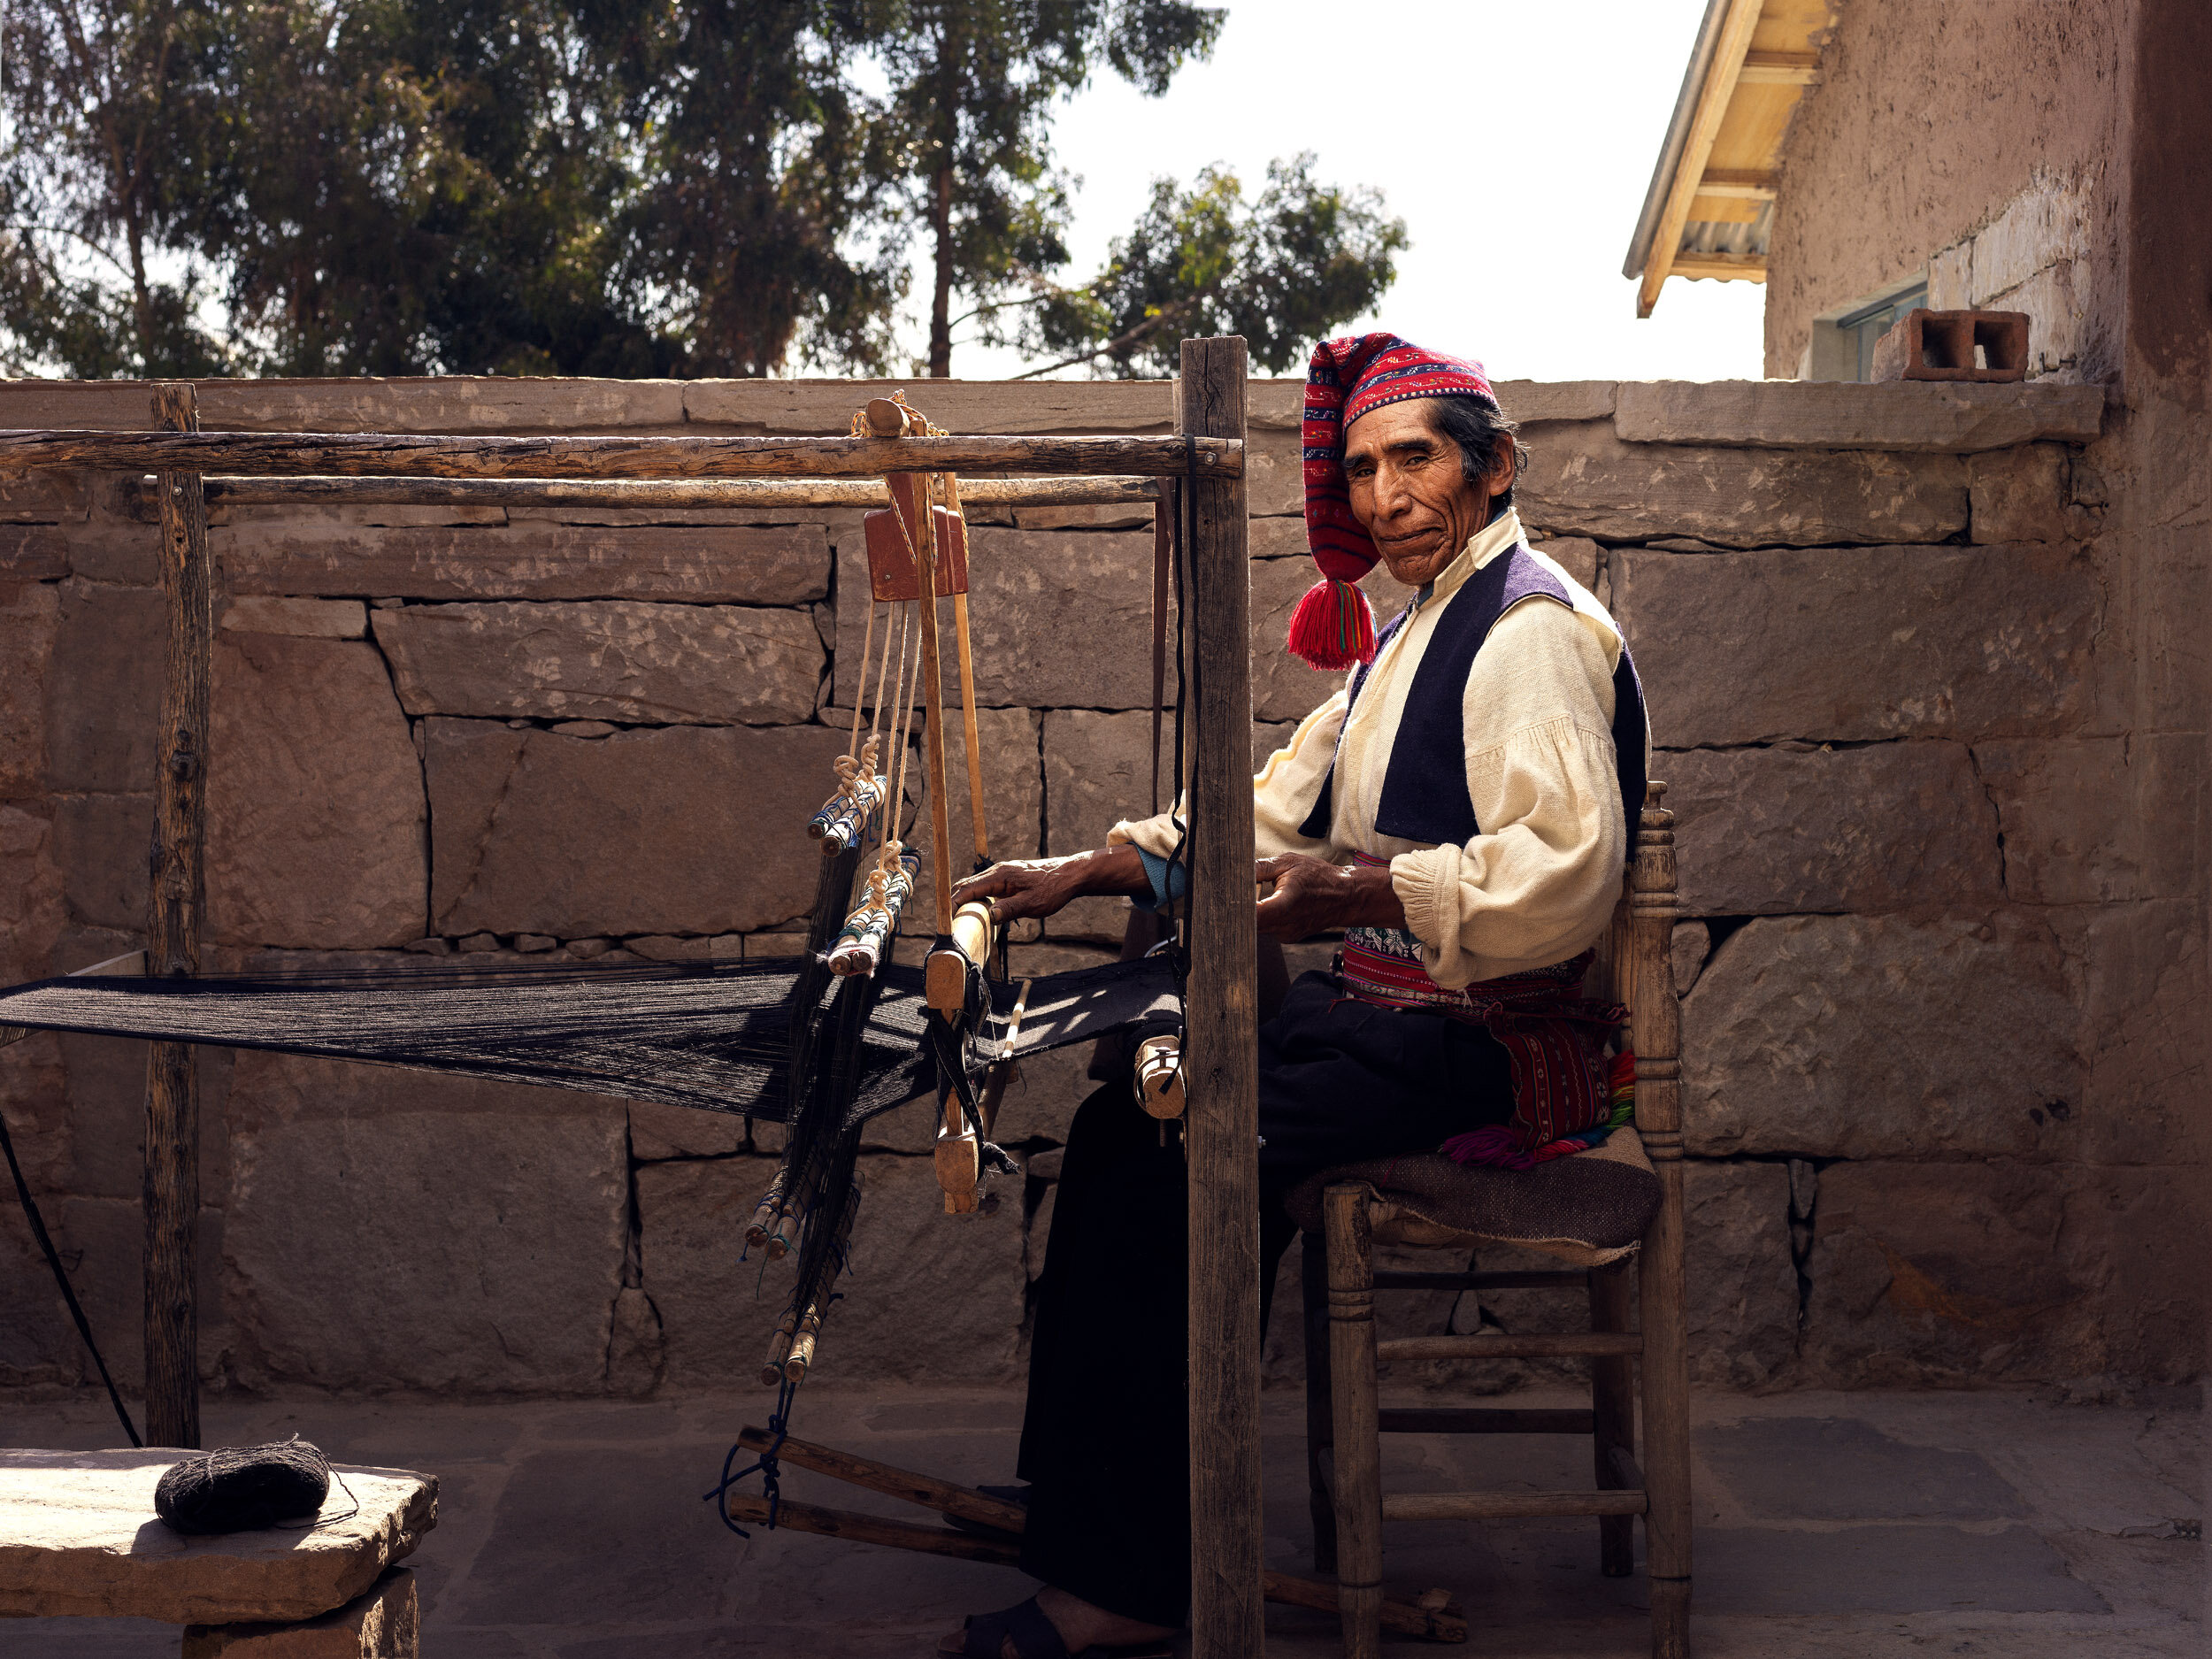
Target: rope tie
x,y
771,1472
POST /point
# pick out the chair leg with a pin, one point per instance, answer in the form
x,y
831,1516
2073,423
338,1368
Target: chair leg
x,y
1666,1389
1313,1274
1613,1416
1358,1450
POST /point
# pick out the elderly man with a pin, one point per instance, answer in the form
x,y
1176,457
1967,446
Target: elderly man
x,y
1460,806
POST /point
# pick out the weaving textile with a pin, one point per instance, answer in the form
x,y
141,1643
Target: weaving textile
x,y
711,1036
1334,626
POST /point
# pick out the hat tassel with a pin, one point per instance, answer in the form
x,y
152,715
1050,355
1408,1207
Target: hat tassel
x,y
1333,627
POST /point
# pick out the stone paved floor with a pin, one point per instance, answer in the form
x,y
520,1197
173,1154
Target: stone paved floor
x,y
1830,1525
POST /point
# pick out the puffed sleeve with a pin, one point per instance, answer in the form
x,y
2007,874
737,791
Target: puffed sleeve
x,y
1539,883
1282,794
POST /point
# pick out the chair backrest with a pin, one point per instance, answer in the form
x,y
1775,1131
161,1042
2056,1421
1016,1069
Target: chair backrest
x,y
1635,968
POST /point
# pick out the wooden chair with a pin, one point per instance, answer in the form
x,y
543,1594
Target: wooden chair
x,y
1344,1420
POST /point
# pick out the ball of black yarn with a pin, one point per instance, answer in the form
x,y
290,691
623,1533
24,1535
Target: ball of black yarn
x,y
240,1488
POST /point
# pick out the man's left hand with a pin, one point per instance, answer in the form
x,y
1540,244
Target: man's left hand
x,y
1310,896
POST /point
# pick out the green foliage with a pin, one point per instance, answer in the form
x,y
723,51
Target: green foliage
x,y
574,187
610,187
1282,272
973,84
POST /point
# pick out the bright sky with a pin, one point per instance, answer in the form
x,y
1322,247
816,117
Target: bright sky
x,y
1515,139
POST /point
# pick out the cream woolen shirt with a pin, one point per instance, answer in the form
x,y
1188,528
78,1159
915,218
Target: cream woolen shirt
x,y
1539,884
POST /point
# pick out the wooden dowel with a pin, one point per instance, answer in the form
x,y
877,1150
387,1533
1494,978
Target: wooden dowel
x,y
800,1359
1002,1072
925,1490
775,494
1400,1618
1220,1052
874,1529
978,833
1505,1506
172,1191
1539,1279
1570,1345
778,1351
1482,1420
934,707
380,454
1288,1589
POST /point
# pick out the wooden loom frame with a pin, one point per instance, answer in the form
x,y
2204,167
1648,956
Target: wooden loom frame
x,y
1221,1051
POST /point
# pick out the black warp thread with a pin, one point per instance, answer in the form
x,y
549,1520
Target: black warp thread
x,y
245,1488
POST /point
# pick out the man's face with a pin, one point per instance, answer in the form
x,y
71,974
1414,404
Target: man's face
x,y
1409,491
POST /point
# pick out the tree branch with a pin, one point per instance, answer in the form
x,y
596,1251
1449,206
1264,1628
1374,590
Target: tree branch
x,y
1152,325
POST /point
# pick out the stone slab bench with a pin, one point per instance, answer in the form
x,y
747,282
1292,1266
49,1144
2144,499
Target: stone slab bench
x,y
78,1538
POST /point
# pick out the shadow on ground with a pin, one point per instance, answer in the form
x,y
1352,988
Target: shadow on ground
x,y
1829,1525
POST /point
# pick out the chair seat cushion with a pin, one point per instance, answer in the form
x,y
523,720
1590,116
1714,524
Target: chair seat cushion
x,y
1587,1209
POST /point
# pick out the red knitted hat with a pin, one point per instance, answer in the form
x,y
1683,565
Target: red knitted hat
x,y
1333,627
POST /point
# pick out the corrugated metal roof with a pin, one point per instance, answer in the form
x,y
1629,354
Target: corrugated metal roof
x,y
1709,209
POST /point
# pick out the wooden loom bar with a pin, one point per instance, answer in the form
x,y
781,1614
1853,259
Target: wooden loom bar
x,y
1221,1057
289,454
1400,1618
176,885
773,493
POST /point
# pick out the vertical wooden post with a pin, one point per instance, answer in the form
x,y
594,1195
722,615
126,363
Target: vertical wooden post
x,y
933,698
1357,1454
1221,1134
173,942
1655,1024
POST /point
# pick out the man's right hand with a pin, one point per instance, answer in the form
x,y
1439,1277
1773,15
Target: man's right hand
x,y
1042,887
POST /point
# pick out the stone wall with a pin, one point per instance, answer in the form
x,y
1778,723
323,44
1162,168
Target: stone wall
x,y
1930,973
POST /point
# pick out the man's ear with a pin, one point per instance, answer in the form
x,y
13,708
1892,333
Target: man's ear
x,y
1500,479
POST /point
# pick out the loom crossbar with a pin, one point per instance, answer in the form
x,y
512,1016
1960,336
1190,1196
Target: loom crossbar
x,y
774,494
380,454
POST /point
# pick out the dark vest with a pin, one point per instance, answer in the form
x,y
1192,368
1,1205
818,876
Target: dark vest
x,y
1424,785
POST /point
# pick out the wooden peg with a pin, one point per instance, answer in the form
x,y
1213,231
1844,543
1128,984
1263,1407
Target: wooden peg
x,y
1160,1077
959,1159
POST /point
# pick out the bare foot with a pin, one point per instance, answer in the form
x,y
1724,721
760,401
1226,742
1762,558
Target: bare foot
x,y
1079,1623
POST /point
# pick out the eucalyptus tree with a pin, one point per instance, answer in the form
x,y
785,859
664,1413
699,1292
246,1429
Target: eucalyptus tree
x,y
1282,271
973,85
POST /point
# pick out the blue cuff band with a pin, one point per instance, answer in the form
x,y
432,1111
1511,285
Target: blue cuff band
x,y
1167,880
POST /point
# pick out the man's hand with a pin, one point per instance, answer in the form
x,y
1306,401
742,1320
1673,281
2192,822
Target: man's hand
x,y
1041,886
1310,895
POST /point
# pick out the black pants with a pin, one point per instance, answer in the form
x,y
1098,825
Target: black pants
x,y
1105,1442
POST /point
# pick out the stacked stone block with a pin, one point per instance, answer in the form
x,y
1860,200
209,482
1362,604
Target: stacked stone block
x,y
1940,924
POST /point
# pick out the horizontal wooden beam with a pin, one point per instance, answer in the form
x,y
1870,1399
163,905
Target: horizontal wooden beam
x,y
1570,1345
1721,267
944,1496
1535,1278
774,494
1485,1420
1737,185
1779,69
375,454
1505,1506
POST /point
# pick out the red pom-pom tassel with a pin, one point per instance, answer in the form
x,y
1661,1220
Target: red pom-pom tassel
x,y
1334,626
